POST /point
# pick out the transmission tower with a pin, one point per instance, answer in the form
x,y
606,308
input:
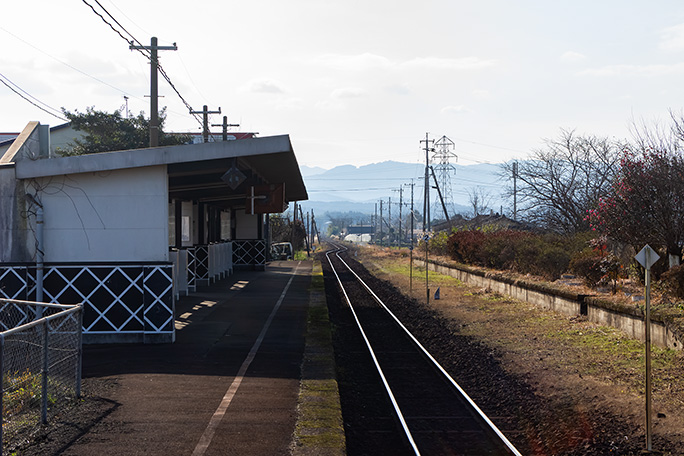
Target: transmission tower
x,y
443,156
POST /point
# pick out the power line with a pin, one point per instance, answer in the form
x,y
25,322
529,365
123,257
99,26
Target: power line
x,y
349,189
355,179
187,72
187,105
28,94
142,49
78,70
68,65
117,23
489,145
4,79
130,20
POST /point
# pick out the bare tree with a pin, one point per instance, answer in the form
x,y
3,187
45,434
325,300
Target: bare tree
x,y
561,182
479,199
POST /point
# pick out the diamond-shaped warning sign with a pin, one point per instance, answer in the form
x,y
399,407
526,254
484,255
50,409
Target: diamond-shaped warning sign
x,y
233,177
647,257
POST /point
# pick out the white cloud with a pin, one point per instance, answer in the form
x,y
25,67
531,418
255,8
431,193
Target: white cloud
x,y
459,109
403,89
348,92
482,93
338,98
263,85
289,104
437,63
635,70
367,61
672,38
572,57
360,62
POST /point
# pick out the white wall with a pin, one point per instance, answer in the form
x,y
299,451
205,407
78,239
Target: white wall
x,y
189,214
225,225
117,215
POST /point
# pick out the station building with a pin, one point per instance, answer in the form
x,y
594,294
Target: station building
x,y
128,232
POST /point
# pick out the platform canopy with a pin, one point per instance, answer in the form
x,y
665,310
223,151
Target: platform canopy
x,y
198,172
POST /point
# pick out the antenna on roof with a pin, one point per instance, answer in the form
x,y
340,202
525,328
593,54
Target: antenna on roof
x,y
126,98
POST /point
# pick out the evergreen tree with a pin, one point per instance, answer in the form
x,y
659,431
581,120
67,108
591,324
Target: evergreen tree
x,y
106,132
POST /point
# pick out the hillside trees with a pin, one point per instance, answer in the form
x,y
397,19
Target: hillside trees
x,y
106,132
560,182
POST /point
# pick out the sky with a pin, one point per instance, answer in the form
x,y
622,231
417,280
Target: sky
x,y
358,82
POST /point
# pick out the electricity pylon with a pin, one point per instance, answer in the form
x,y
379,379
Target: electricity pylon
x,y
442,158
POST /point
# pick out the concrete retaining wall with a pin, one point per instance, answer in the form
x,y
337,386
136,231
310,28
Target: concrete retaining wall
x,y
568,304
634,326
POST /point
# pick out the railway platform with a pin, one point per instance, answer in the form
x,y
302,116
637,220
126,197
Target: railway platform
x,y
230,384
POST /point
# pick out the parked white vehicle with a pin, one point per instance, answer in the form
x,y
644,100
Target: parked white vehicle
x,y
281,251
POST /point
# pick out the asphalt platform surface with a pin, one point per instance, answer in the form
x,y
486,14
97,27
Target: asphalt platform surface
x,y
195,396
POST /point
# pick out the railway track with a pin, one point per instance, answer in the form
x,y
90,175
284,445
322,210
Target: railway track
x,y
431,414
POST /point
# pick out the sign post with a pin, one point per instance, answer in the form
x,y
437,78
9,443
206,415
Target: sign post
x,y
426,238
647,257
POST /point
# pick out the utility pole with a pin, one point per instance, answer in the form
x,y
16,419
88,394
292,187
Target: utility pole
x,y
381,223
225,126
375,223
205,120
306,230
154,86
426,196
411,248
515,191
293,228
313,228
389,218
401,203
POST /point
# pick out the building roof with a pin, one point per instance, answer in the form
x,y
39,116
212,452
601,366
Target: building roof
x,y
195,170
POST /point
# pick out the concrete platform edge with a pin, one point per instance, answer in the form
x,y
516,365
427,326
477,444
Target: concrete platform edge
x,y
319,429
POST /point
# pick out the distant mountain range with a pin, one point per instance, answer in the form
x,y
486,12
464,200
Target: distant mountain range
x,y
351,188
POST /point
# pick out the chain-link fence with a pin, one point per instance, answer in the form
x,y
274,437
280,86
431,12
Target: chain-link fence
x,y
40,363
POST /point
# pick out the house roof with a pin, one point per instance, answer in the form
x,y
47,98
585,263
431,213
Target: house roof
x,y
194,170
490,220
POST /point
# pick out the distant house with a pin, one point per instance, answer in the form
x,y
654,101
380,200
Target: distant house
x,y
59,137
127,232
360,229
7,136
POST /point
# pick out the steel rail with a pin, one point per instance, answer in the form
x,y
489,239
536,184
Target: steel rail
x,y
472,403
398,411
